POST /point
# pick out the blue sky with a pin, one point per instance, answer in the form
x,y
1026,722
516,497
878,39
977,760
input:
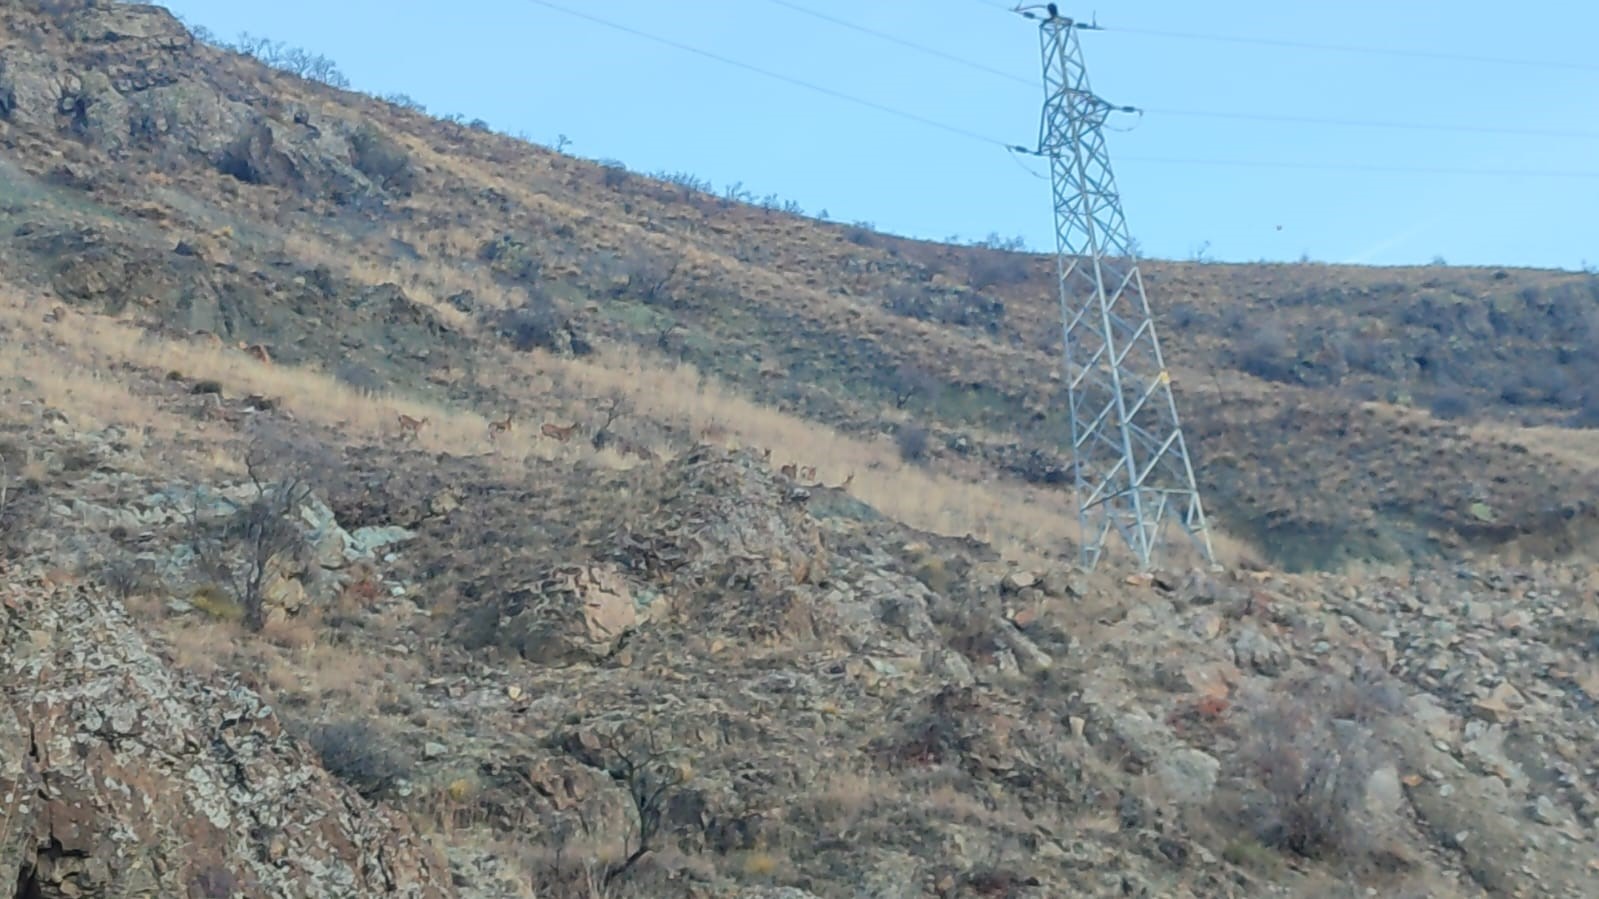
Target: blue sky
x,y
526,68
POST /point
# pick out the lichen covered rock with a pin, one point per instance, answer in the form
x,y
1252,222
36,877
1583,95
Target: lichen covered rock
x,y
119,779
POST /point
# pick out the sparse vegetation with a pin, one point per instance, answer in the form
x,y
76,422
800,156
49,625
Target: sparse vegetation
x,y
262,530
756,557
913,441
296,61
1308,760
1450,405
650,278
359,754
650,772
540,322
383,160
1267,353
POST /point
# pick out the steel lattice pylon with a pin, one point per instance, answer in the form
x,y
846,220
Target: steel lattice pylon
x,y
1133,472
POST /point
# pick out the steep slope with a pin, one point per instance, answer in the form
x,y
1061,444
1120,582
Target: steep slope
x,y
642,596
272,210
124,780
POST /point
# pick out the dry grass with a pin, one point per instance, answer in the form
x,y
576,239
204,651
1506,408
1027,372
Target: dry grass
x,y
1574,447
1025,523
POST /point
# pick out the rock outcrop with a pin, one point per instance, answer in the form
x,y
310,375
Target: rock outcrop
x,y
158,91
118,779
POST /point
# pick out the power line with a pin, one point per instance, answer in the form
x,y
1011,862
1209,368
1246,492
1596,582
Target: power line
x,y
931,51
1191,113
973,135
1370,51
1339,48
839,95
1363,167
1372,123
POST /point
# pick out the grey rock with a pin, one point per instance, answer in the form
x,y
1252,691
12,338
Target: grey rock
x,y
1188,776
1254,650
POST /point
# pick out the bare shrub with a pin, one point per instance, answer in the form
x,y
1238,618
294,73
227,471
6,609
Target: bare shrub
x,y
1307,761
382,159
126,576
357,753
616,407
540,322
511,258
21,509
913,441
614,174
651,774
1450,404
359,375
240,551
994,268
1267,353
912,382
404,101
295,60
649,277
1588,415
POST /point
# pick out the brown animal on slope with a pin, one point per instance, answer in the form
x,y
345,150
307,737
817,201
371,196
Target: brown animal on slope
x,y
259,353
559,432
789,471
497,428
411,426
807,473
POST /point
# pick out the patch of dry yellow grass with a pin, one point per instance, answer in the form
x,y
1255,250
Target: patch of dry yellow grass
x,y
1570,446
1025,523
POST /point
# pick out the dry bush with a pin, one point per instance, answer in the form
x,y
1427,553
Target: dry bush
x,y
995,268
913,441
1306,764
912,382
537,324
650,278
1450,404
382,159
357,753
651,773
20,511
127,576
1267,353
264,530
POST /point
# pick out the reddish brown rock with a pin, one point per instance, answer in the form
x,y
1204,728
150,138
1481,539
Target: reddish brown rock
x,y
118,778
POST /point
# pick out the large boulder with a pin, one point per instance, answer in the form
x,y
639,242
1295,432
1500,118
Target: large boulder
x,y
568,615
715,515
118,778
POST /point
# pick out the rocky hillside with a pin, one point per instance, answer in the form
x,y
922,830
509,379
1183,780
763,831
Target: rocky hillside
x,y
389,507
187,188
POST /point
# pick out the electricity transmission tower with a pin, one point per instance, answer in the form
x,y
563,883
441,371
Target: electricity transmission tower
x,y
1133,472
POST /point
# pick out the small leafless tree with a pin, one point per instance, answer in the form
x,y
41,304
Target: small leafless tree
x,y
616,407
911,382
650,777
238,553
650,278
634,757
